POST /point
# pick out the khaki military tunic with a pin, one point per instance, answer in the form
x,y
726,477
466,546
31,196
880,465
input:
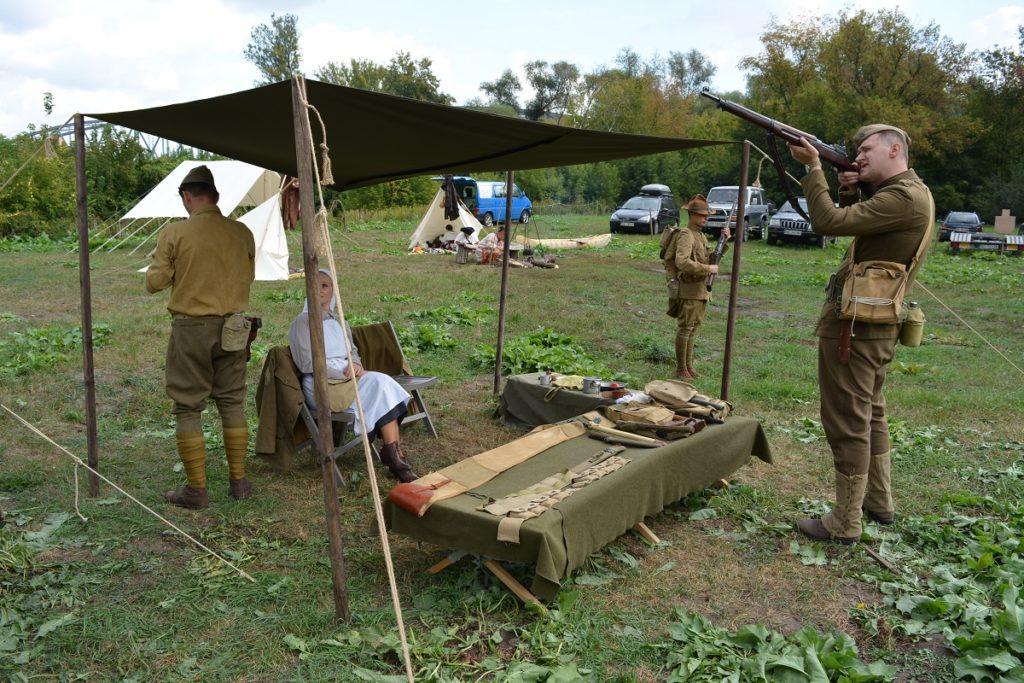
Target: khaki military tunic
x,y
887,226
687,259
208,261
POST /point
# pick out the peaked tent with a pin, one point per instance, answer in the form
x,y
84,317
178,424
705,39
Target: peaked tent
x,y
239,184
271,245
434,224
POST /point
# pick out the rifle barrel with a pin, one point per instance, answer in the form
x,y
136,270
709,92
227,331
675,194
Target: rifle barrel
x,y
834,156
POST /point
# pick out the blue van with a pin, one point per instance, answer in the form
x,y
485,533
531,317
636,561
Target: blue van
x,y
486,199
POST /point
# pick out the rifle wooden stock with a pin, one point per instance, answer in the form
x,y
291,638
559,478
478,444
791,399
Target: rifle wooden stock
x,y
833,154
719,250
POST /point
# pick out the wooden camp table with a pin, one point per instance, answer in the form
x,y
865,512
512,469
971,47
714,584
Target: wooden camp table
x,y
558,541
524,402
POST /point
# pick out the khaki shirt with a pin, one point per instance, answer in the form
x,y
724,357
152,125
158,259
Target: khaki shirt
x,y
208,261
688,263
887,226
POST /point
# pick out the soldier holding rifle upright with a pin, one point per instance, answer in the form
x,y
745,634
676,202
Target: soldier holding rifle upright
x,y
889,212
687,260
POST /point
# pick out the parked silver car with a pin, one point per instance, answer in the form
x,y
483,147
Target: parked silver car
x,y
722,201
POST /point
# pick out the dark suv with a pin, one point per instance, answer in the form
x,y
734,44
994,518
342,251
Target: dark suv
x,y
650,212
789,226
959,221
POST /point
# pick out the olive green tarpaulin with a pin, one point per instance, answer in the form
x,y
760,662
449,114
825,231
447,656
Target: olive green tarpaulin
x,y
375,137
522,404
560,540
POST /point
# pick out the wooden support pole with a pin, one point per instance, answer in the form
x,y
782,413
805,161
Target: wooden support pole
x,y
646,533
304,159
734,279
85,288
504,280
518,589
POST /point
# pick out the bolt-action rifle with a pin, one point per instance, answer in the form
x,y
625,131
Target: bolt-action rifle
x,y
833,154
716,256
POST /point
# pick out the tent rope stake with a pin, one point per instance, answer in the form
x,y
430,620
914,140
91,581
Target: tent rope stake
x,y
80,463
325,240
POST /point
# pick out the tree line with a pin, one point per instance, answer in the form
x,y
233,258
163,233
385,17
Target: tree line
x,y
964,111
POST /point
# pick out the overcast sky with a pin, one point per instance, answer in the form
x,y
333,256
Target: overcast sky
x,y
114,55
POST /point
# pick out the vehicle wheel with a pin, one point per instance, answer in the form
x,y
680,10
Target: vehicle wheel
x,y
488,220
822,241
656,228
612,229
771,240
524,217
762,229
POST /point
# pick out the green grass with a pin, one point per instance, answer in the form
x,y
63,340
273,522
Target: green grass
x,y
119,598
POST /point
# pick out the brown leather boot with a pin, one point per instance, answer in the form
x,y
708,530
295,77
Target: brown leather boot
x,y
693,373
241,489
188,497
391,455
684,374
813,528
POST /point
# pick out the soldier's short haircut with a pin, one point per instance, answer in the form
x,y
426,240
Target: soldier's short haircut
x,y
201,190
892,137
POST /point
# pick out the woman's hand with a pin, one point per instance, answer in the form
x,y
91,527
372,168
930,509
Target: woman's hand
x,y
355,370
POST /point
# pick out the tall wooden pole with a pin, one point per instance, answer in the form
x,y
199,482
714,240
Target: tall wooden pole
x,y
509,175
85,288
734,279
304,157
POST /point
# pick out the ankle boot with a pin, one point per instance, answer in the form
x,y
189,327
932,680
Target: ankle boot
x,y
843,523
391,455
189,497
241,489
878,504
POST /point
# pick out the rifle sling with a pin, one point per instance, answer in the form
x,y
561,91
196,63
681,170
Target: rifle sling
x,y
773,152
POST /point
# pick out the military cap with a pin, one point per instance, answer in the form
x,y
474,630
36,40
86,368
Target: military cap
x,y
698,205
867,131
199,174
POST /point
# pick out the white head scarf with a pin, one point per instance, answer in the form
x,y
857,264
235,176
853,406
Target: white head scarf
x,y
334,300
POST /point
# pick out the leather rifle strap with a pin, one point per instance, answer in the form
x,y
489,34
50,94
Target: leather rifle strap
x,y
773,153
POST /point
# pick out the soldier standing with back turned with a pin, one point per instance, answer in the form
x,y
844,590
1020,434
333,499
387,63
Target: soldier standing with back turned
x,y
688,264
888,222
209,263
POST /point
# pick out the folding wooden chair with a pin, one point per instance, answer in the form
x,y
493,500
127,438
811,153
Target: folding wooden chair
x,y
381,351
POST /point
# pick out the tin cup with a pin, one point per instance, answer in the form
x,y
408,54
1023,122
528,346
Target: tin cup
x,y
544,379
591,385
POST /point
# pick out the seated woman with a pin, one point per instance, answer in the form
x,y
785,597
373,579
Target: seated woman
x,y
385,403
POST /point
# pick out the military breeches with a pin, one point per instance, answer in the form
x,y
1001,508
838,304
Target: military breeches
x,y
852,402
691,315
198,369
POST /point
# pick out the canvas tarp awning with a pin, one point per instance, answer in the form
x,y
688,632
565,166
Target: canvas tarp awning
x,y
239,184
375,137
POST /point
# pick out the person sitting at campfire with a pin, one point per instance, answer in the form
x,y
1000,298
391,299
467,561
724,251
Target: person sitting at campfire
x,y
385,402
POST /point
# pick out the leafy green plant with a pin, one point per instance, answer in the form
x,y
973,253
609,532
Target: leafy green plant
x,y
545,348
758,279
42,347
294,295
425,337
455,314
700,651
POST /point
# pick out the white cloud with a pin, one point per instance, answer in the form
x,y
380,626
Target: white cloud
x,y
998,27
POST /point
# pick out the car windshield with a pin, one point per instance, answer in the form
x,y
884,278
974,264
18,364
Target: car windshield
x,y
789,207
642,203
962,217
723,195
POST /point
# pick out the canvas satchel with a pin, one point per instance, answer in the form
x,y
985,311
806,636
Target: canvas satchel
x,y
873,291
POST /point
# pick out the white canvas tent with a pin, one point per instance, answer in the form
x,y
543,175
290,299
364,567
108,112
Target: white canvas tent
x,y
434,224
239,184
268,232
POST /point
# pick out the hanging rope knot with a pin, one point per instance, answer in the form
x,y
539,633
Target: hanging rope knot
x,y
327,178
323,235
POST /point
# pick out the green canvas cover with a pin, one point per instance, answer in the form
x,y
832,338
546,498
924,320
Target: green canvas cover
x,y
522,404
560,540
375,137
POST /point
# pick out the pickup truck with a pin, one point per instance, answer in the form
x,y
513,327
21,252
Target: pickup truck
x,y
721,201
